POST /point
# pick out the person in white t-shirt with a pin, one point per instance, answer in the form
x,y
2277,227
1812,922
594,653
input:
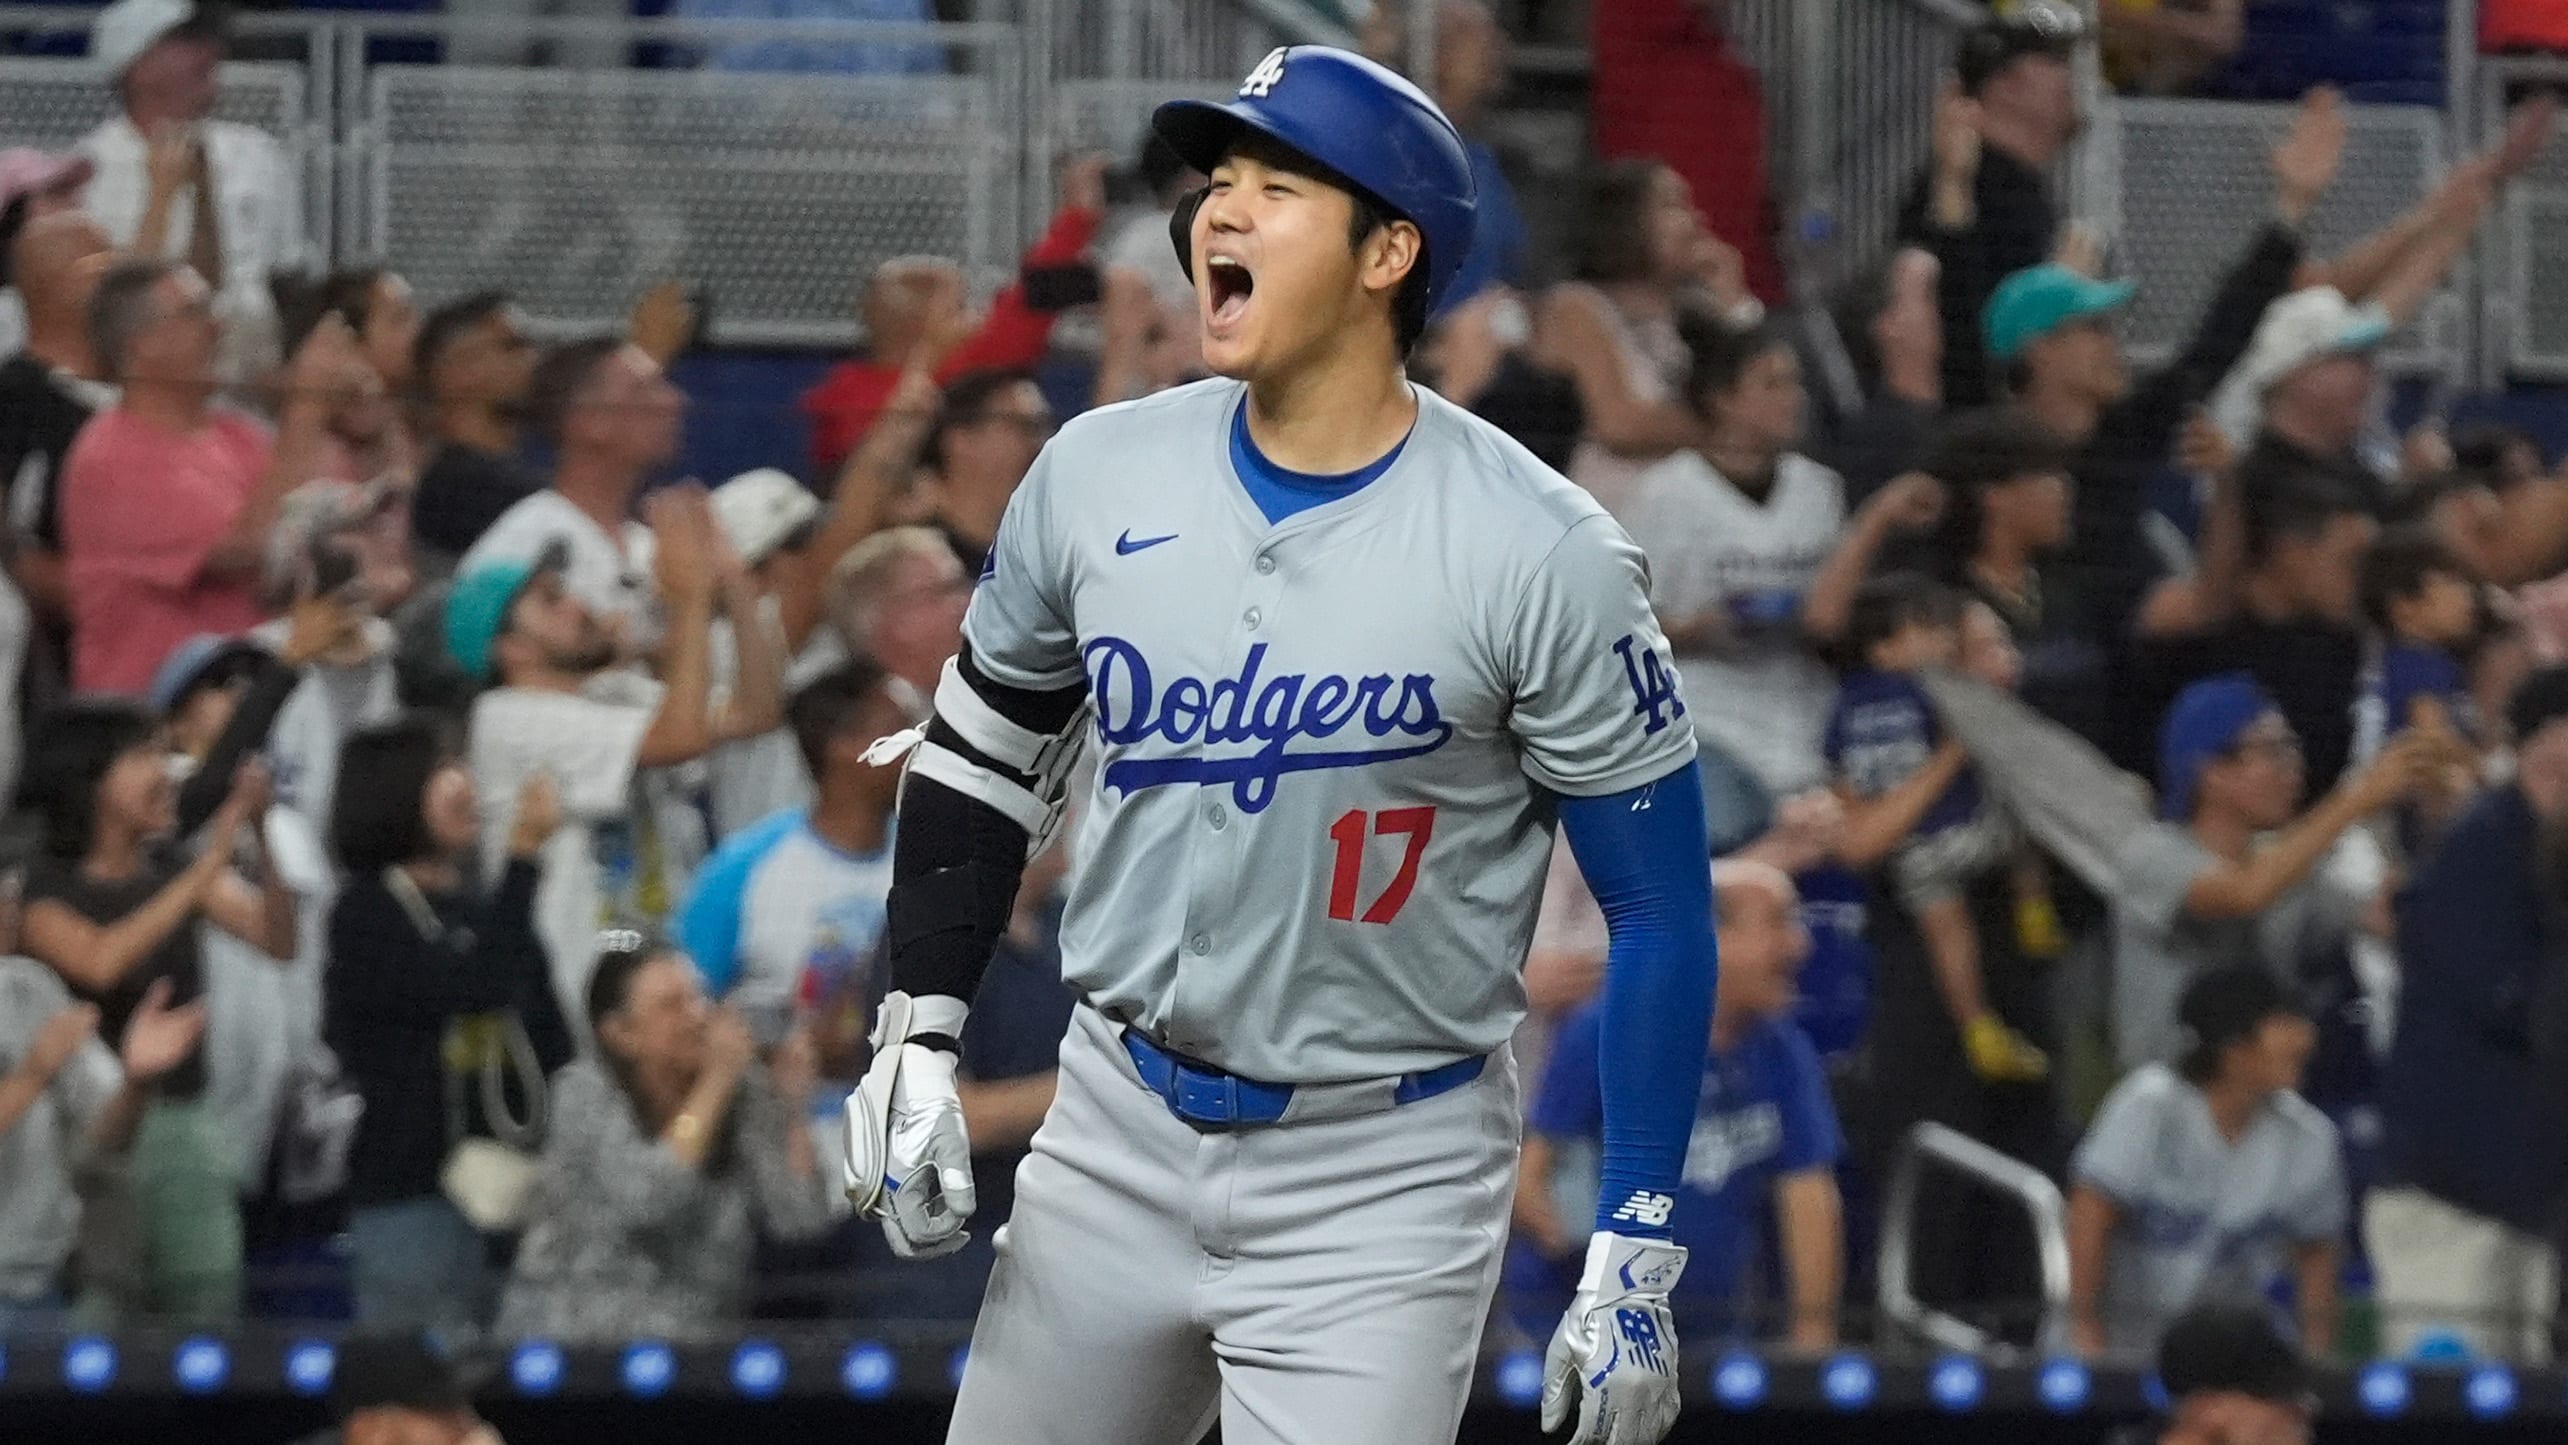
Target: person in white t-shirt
x,y
173,182
1737,527
2206,1182
769,519
563,708
786,919
615,418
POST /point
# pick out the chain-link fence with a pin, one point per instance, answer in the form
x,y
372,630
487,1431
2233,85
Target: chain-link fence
x,y
1103,64
574,187
55,104
1114,115
775,193
2193,185
1850,104
2181,185
1187,40
578,189
2524,317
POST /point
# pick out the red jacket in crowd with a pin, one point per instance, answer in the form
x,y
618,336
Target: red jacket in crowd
x,y
1668,86
844,405
2523,24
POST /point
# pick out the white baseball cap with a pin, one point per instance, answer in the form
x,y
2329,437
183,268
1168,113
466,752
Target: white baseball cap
x,y
759,509
127,28
2311,324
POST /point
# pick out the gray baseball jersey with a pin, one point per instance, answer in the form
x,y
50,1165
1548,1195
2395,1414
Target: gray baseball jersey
x,y
1319,823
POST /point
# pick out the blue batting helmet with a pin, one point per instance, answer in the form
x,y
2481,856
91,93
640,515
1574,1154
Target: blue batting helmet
x,y
1355,120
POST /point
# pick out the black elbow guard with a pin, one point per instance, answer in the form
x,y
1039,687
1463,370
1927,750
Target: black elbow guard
x,y
955,871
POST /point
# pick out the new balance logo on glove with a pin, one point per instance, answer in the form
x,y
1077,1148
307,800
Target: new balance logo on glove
x,y
1645,1209
1639,1328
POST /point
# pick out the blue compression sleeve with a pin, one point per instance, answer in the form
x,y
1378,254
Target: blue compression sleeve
x,y
1645,855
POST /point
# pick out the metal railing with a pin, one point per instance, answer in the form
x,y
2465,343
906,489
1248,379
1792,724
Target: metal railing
x,y
2191,185
1934,1146
574,188
1850,95
2523,313
2179,185
1169,39
779,189
54,104
577,188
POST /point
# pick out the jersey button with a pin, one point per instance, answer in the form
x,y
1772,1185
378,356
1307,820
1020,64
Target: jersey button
x,y
1265,566
1250,617
1217,816
1200,944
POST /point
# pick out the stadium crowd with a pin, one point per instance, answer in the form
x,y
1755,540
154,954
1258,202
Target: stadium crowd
x,y
448,875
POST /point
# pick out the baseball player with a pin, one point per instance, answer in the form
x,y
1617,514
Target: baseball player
x,y
1349,653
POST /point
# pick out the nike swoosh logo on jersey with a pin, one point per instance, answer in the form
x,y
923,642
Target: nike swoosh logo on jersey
x,y
1125,546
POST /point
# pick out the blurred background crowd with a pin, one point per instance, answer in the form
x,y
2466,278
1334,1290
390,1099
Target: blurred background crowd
x,y
2123,627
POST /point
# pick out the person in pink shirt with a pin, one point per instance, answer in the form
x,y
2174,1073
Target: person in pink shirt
x,y
167,499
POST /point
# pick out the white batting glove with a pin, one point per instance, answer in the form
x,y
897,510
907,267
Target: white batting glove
x,y
909,1161
1614,1355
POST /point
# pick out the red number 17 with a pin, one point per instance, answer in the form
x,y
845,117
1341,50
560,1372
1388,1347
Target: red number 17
x,y
1418,824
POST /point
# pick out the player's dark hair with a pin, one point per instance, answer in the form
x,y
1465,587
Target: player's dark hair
x,y
1613,241
446,326
1719,356
965,402
376,814
2398,567
561,377
825,707
74,747
1409,303
1159,166
1891,602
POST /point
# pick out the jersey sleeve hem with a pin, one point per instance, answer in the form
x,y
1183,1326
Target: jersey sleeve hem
x,y
1071,674
1639,773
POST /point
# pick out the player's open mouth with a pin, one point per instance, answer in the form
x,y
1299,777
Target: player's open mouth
x,y
1231,284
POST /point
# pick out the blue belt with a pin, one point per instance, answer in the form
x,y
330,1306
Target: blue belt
x,y
1200,1094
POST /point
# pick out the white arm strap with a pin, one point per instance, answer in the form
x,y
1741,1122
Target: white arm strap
x,y
999,737
1048,759
902,1017
1036,815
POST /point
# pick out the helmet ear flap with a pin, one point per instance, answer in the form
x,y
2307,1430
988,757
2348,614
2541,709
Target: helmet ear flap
x,y
1181,227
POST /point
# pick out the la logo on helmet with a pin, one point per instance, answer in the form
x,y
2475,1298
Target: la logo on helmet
x,y
1263,78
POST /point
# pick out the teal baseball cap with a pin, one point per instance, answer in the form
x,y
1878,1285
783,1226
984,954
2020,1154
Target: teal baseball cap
x,y
2039,300
478,604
